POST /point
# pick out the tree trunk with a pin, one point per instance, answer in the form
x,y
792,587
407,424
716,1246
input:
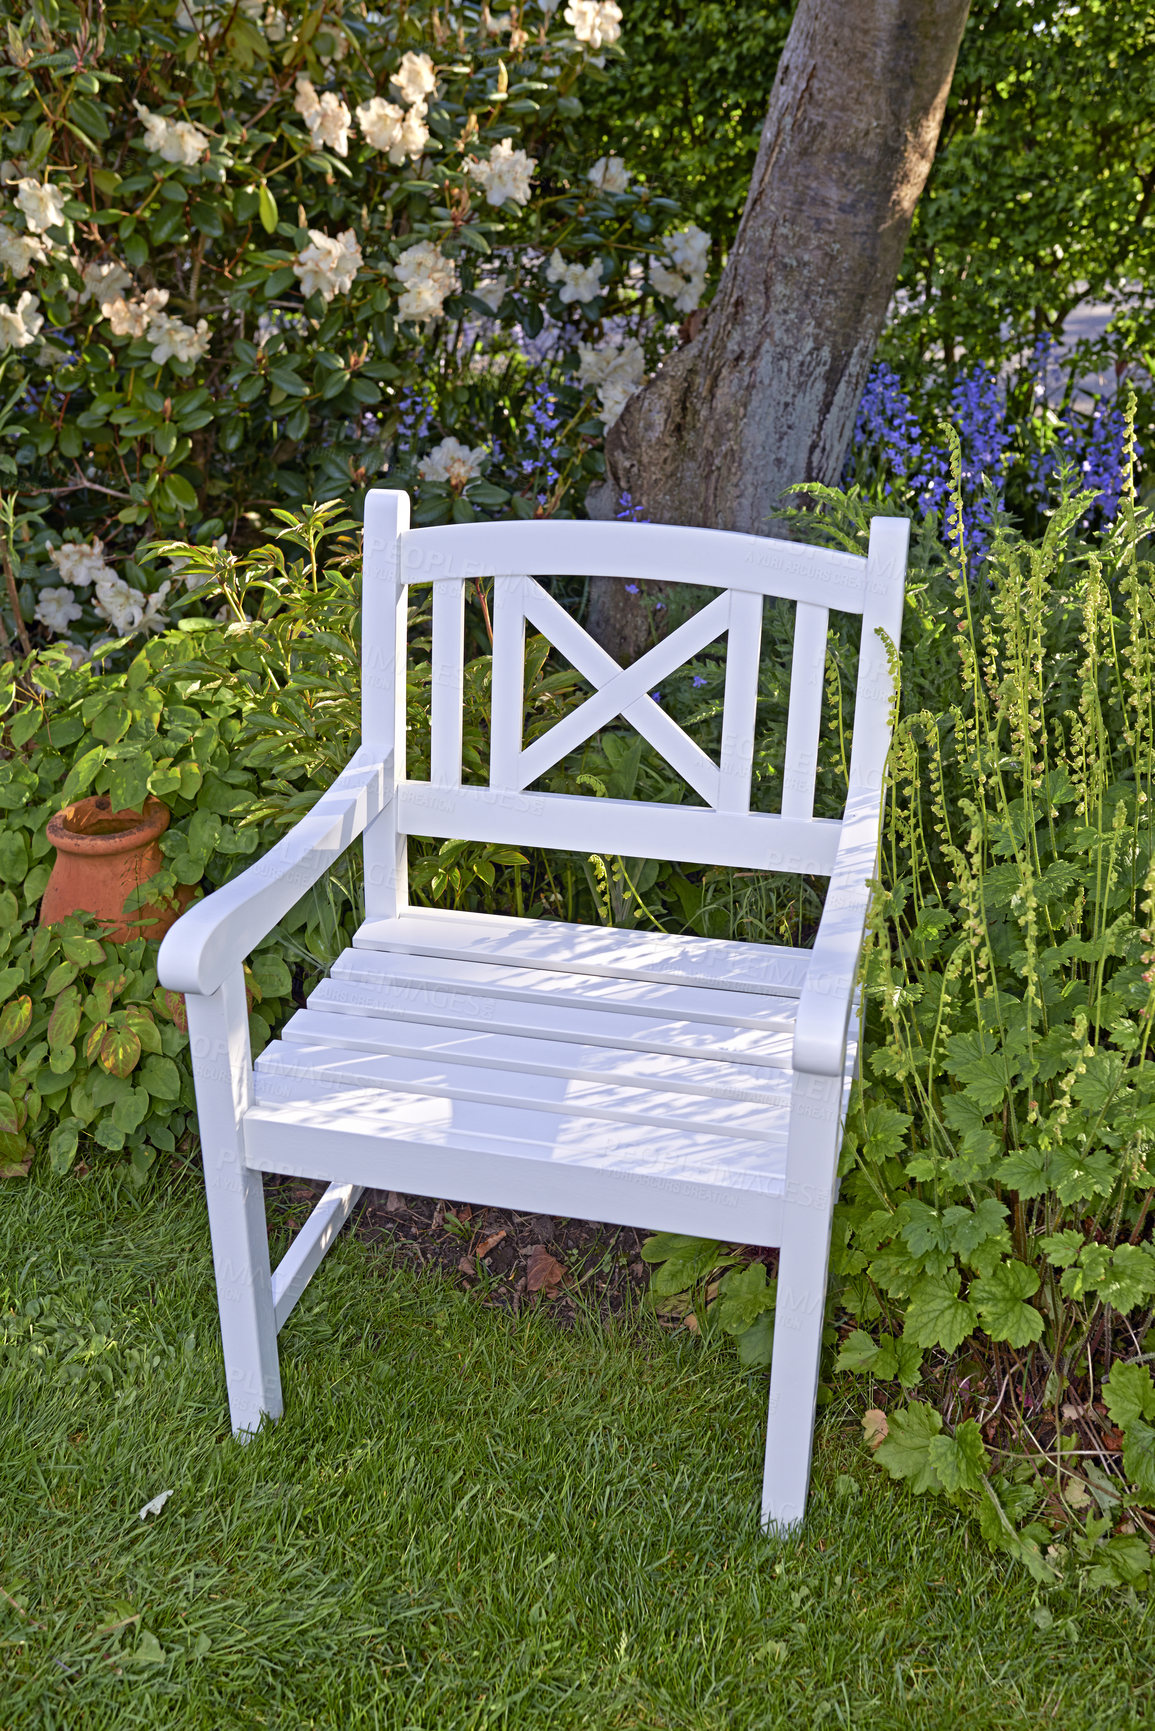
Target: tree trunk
x,y
767,391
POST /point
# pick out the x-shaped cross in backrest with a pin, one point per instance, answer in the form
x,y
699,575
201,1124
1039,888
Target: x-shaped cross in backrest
x,y
625,691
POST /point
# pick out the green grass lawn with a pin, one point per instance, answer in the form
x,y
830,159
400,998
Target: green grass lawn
x,y
463,1521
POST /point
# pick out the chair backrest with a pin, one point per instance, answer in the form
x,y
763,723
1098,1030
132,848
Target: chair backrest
x,y
743,568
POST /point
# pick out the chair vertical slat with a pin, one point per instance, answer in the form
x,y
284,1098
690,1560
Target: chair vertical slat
x,y
507,709
384,636
447,674
740,703
807,677
885,579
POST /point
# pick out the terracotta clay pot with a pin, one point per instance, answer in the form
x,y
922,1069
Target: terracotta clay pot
x,y
102,856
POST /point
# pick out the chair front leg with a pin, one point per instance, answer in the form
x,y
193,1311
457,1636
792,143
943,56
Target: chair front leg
x,y
218,1028
811,1170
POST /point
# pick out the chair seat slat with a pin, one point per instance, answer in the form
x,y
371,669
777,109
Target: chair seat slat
x,y
467,1007
593,991
531,1088
528,1050
609,950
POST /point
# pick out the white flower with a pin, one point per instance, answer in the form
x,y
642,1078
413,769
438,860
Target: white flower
x,y
453,462
492,293
19,324
80,562
580,282
414,78
306,101
414,132
595,21
610,174
174,140
387,127
616,369
173,340
19,252
57,608
506,175
689,250
105,282
329,265
330,124
43,205
125,608
427,278
133,318
327,117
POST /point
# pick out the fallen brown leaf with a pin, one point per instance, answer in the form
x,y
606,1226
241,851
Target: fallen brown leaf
x,y
490,1243
467,1266
691,1322
874,1427
543,1272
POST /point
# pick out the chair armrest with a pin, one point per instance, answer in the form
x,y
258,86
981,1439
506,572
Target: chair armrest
x,y
824,1008
217,932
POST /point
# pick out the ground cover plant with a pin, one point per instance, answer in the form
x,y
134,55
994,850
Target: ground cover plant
x,y
464,1518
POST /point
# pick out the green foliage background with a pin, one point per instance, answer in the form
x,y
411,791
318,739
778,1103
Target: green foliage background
x,y
1041,192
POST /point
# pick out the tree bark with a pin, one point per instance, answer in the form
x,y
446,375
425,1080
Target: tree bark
x,y
766,392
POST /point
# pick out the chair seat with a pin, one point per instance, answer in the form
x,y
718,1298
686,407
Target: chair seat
x,y
566,1069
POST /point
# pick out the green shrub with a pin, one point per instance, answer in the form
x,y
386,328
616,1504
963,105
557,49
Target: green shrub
x,y
227,287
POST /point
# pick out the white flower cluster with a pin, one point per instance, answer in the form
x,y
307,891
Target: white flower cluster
x,y
82,565
580,282
126,608
19,252
689,252
174,140
615,370
609,174
143,315
173,340
454,463
104,282
414,79
427,281
401,132
327,117
134,318
57,608
19,324
596,22
42,205
506,175
329,264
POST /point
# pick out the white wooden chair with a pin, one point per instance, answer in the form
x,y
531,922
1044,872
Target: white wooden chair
x,y
675,1083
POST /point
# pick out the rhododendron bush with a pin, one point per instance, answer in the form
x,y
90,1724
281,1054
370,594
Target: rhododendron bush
x,y
253,254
